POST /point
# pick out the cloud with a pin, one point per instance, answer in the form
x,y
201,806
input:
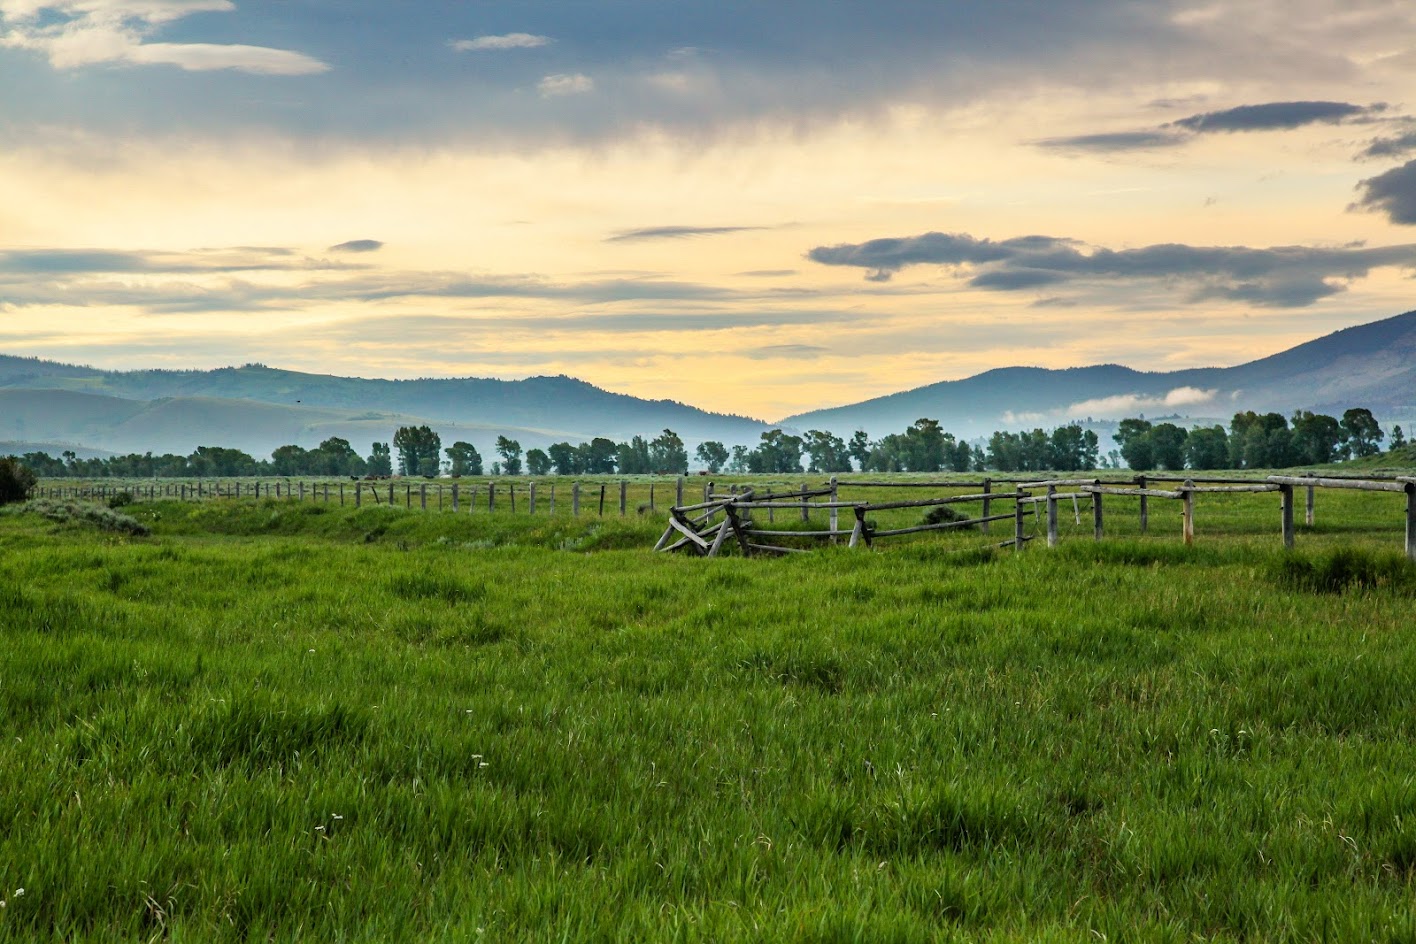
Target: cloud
x,y
358,245
676,232
1276,116
553,86
504,41
1392,193
76,33
109,261
1277,277
1115,141
1395,146
1131,403
785,351
1269,116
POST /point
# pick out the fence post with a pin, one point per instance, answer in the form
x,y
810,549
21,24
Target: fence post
x,y
805,509
341,494
1309,517
624,497
1018,519
511,490
1145,506
1051,516
1096,511
987,502
602,499
491,496
1285,493
1187,513
440,496
678,493
390,493
423,496
651,498
834,510
706,489
1411,520
358,494
302,491
553,498
575,499
454,498
407,496
533,497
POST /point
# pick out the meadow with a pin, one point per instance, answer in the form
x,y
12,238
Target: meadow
x,y
273,720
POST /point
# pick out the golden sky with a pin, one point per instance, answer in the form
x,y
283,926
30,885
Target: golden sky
x,y
697,206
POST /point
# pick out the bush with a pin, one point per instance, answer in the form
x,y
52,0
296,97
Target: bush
x,y
1347,569
16,480
120,499
944,514
105,519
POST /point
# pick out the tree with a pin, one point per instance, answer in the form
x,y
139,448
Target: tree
x,y
1398,438
538,462
334,457
16,480
667,453
597,457
633,457
510,451
419,450
859,448
827,451
463,459
1168,446
777,452
1260,442
1133,436
1207,448
1316,437
380,459
739,460
285,460
564,458
714,455
1073,448
1361,434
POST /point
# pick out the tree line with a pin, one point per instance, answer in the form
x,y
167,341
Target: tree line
x,y
1253,440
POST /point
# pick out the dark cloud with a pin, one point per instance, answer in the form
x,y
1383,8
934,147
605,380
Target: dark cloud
x,y
1116,141
768,273
676,232
789,351
1395,146
1276,116
1270,116
358,245
1392,193
1280,277
78,261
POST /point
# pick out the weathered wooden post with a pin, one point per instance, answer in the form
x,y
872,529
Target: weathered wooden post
x,y
1145,505
408,496
302,491
835,517
1411,520
1308,518
491,496
602,499
455,497
1285,493
511,491
358,494
651,497
423,496
707,488
1187,512
533,498
805,508
987,502
1018,519
575,499
390,493
1051,515
624,497
341,494
678,492
553,498
1097,522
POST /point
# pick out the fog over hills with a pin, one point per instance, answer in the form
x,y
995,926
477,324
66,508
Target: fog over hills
x,y
257,408
1371,365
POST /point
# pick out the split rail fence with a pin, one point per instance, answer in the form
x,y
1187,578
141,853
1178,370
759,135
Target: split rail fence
x,y
728,520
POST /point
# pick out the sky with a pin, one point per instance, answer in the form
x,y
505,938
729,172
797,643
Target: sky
x,y
756,208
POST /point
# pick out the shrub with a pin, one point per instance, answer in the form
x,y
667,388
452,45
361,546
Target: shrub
x,y
120,499
1347,569
16,480
105,519
944,514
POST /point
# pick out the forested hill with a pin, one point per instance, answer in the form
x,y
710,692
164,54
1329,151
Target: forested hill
x,y
1371,365
258,408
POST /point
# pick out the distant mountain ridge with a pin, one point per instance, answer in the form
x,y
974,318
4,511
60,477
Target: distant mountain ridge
x,y
257,408
1371,365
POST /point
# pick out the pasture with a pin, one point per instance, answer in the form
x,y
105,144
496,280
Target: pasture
x,y
275,720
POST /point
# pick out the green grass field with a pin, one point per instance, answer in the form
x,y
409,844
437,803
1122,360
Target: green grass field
x,y
279,721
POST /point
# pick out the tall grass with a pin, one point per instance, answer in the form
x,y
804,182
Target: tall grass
x,y
283,722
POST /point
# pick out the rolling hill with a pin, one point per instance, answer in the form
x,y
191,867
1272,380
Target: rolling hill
x,y
1371,365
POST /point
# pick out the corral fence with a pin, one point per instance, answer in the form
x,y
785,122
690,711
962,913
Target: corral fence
x,y
622,496
704,528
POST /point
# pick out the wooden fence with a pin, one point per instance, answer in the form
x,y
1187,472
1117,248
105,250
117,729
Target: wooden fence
x,y
704,528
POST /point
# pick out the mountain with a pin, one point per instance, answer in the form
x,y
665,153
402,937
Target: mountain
x,y
257,408
1371,365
